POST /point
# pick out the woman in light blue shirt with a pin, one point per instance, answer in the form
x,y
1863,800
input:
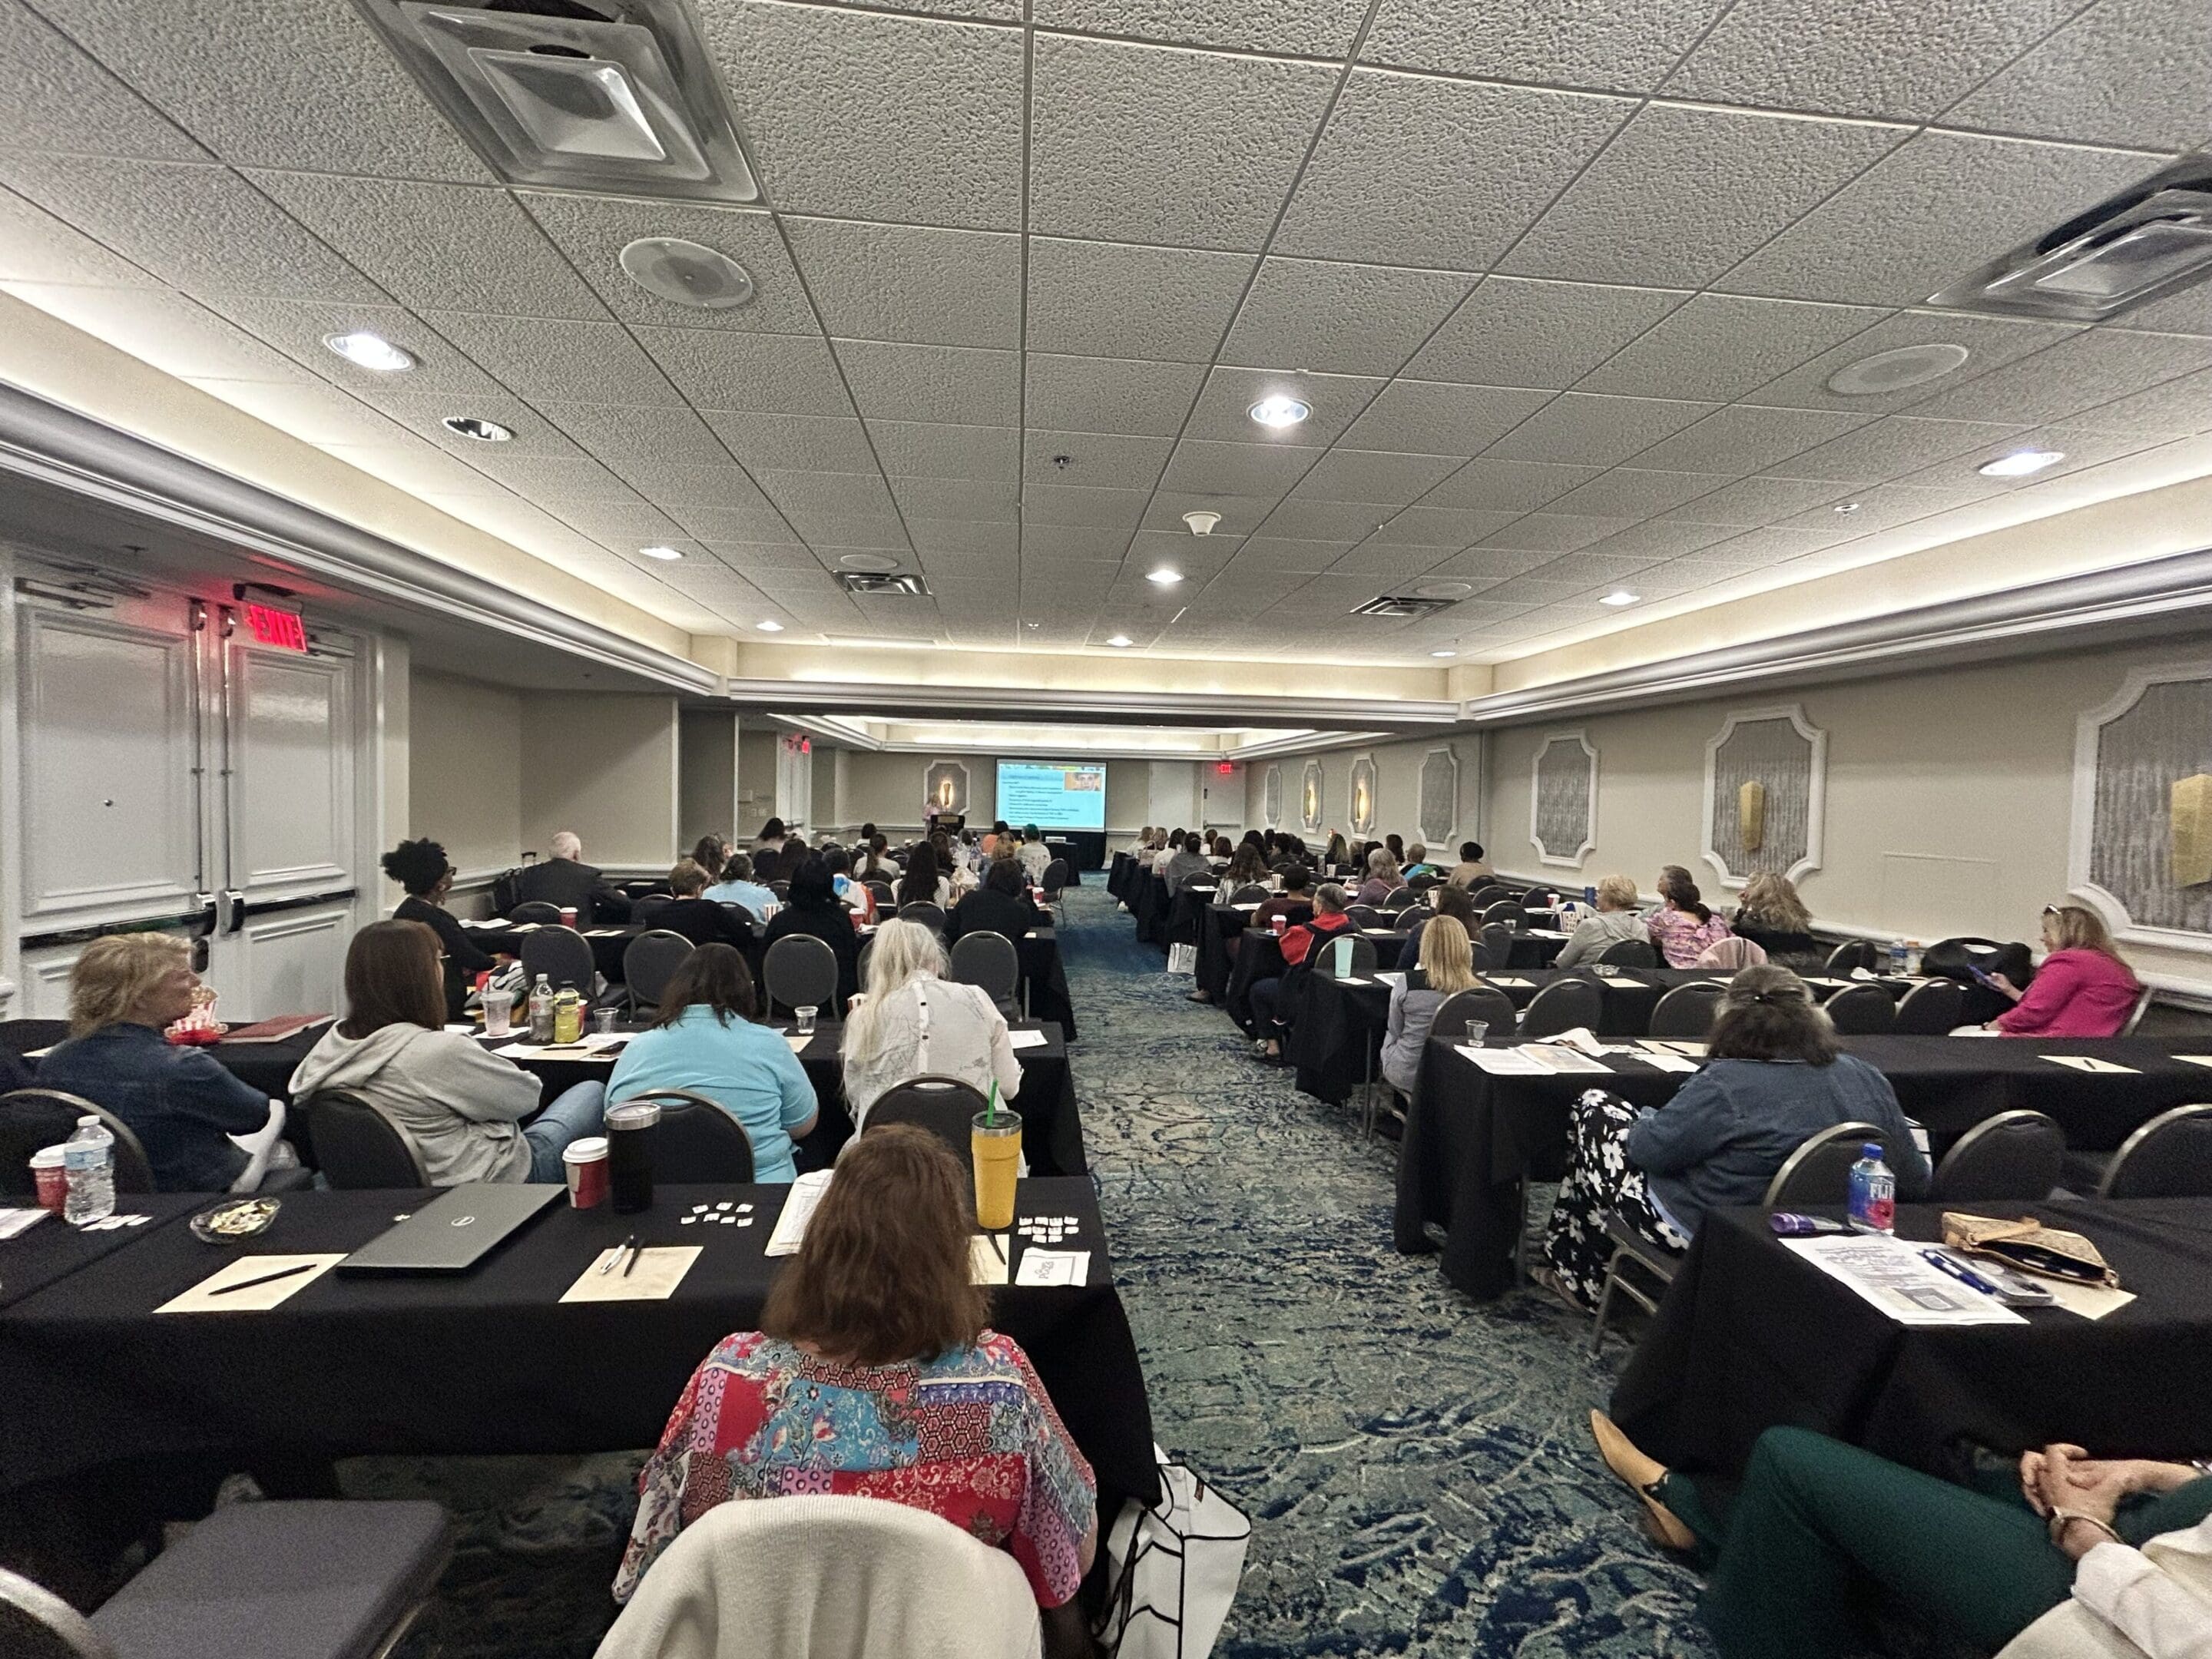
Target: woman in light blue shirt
x,y
705,1040
738,886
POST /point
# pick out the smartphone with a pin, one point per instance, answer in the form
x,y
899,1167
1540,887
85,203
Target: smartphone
x,y
2015,1289
1981,978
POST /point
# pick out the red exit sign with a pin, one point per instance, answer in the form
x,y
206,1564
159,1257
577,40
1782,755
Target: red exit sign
x,y
281,629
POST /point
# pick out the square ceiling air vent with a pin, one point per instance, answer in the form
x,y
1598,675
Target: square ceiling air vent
x,y
867,582
1400,605
613,96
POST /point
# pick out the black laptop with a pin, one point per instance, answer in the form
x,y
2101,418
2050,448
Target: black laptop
x,y
454,1230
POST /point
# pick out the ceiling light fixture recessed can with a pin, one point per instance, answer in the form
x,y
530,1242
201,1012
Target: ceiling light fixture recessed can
x,y
1278,411
370,351
1897,370
1165,576
1443,654
770,626
2021,463
472,426
660,552
1846,507
875,564
687,273
1621,596
1120,641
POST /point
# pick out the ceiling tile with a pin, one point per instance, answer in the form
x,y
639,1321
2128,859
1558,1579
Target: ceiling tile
x,y
325,417
1989,341
1489,565
554,482
2177,408
1305,28
672,484
1102,394
203,229
1721,346
591,231
1139,144
1927,213
1763,548
1068,541
1284,553
825,530
1582,430
1443,526
771,373
1637,492
449,246
2124,72
1554,533
1239,514
1342,318
35,247
1236,469
961,288
540,357
800,443
1584,43
1590,569
1498,486
422,412
172,334
975,501
1747,439
1892,446
1514,332
942,450
1359,475
871,116
273,84
1758,501
942,536
736,526
2083,446
1882,507
964,385
1681,194
1300,519
1383,563
1115,300
1661,539
1224,410
1098,460
1533,589
1419,172
1908,63
826,494
1438,418
298,328
2094,366
53,96
1104,509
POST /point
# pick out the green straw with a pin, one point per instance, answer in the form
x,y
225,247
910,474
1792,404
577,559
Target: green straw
x,y
991,1115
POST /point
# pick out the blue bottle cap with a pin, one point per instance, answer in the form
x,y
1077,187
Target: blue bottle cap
x,y
1870,1149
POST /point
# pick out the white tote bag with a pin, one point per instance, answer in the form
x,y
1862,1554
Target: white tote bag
x,y
1182,959
1174,1569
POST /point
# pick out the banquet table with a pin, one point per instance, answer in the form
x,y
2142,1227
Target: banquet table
x,y
489,1361
1471,1138
52,1249
1052,1127
1751,1335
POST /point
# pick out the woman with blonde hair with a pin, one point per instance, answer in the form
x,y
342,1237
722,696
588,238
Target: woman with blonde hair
x,y
1447,969
1770,914
1617,920
2083,989
912,1022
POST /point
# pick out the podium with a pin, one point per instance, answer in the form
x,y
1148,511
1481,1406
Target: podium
x,y
951,823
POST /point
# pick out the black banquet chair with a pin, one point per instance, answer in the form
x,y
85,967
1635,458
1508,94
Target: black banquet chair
x,y
1862,1011
1851,953
1250,893
799,971
1561,1007
537,910
1632,1249
1931,1010
1493,947
945,1106
1820,1170
650,961
1401,898
1492,1008
2169,1156
1687,1011
696,1140
2017,1154
989,961
31,1119
1509,911
359,1147
1628,953
562,955
931,916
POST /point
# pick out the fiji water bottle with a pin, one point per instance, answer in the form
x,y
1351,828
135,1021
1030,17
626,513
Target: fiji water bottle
x,y
1874,1193
89,1166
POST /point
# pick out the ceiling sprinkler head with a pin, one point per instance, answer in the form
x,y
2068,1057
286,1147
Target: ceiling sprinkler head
x,y
1201,523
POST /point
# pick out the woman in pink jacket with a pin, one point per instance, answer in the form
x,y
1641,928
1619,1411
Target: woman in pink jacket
x,y
2083,990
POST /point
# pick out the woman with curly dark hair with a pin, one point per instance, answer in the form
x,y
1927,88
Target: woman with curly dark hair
x,y
422,867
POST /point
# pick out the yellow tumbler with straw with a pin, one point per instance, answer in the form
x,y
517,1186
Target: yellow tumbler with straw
x,y
994,1140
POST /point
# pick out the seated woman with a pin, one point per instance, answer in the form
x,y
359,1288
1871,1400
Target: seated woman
x,y
914,1021
423,870
1266,995
692,913
189,1113
849,890
1417,862
1448,968
873,1374
1383,879
1617,920
1247,867
1773,1078
1455,901
812,907
923,882
2082,989
1168,850
2082,1557
999,906
1771,915
1473,870
462,1105
704,1039
1683,925
738,886
1187,863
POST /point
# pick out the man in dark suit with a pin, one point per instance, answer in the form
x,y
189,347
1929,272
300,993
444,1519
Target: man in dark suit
x,y
565,880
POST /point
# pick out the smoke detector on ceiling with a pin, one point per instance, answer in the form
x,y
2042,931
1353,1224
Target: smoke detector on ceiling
x,y
615,96
1201,523
1400,605
1897,370
687,273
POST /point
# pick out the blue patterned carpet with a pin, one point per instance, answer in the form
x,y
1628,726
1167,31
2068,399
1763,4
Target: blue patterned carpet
x,y
1417,1466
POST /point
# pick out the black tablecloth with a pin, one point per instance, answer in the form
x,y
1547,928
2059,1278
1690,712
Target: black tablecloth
x,y
486,1362
1117,877
1148,901
1219,924
1751,1336
608,943
1471,1138
1051,1127
53,1250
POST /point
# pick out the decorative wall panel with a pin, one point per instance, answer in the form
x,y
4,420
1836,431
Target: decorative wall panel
x,y
2138,824
1563,800
944,786
1271,799
1765,787
1437,818
1363,803
1310,801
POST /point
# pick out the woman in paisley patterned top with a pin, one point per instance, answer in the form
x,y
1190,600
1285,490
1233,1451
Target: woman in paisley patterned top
x,y
873,1374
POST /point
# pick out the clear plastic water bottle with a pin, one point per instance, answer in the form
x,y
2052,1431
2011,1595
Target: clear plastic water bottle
x,y
1897,956
541,1010
1874,1193
89,1164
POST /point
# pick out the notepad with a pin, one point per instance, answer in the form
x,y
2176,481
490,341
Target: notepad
x,y
797,1209
1670,1046
1503,1062
2196,1059
1355,981
1064,1268
1666,1062
203,1297
1027,1039
575,1050
1546,932
1394,980
659,1270
799,1044
1511,984
604,932
987,1259
1562,1060
2091,1063
1831,984
1253,906
13,1221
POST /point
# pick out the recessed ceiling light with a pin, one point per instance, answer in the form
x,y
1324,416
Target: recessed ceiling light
x,y
1621,596
370,351
1443,654
469,426
1279,412
687,273
770,626
1846,507
1897,370
879,564
2021,463
1164,576
1120,641
660,552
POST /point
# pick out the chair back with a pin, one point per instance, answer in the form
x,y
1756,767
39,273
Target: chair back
x,y
1323,956
1861,1011
740,918
2014,1155
799,971
697,1140
1486,1003
1851,953
1493,947
1510,911
358,1145
1560,1006
652,961
1055,877
1820,1170
1730,953
931,916
885,896
1250,893
1628,953
1400,898
781,888
1490,893
945,1106
860,960
1687,1011
990,962
2169,1156
1406,920
2143,1001
31,1119
1365,915
1931,1010
36,1623
562,955
535,910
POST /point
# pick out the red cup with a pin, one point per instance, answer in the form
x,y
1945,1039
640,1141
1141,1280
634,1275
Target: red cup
x,y
53,1179
568,915
586,1164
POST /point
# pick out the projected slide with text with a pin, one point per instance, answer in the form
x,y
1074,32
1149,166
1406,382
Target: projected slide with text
x,y
1052,795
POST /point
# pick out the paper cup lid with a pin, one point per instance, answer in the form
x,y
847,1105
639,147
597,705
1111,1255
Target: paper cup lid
x,y
584,1151
50,1157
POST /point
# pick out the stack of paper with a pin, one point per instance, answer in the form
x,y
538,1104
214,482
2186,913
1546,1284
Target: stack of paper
x,y
797,1210
1891,1275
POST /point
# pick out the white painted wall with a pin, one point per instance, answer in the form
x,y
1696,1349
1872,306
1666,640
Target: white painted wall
x,y
706,774
606,767
1397,788
463,749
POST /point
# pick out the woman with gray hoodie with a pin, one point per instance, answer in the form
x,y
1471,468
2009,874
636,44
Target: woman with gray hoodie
x,y
462,1105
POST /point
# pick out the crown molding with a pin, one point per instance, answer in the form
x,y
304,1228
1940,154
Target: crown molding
x,y
903,701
